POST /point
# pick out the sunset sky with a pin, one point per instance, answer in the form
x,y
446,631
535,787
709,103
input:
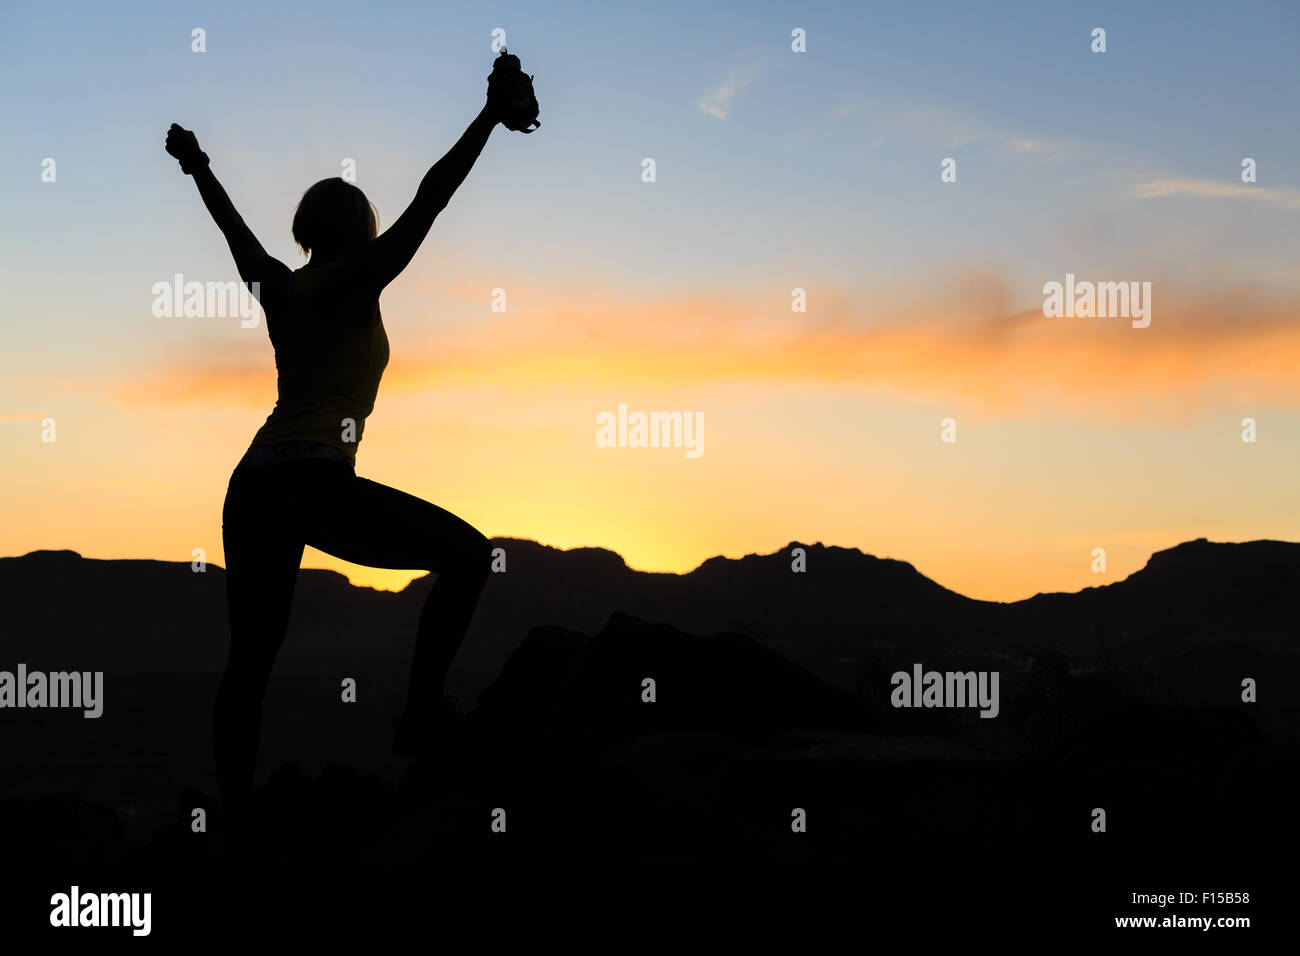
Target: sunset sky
x,y
775,170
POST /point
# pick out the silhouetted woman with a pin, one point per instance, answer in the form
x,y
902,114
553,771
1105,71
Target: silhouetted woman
x,y
297,484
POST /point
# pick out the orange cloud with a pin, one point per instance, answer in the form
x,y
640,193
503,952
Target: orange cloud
x,y
216,374
962,342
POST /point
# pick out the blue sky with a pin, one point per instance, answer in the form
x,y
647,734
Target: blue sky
x,y
845,140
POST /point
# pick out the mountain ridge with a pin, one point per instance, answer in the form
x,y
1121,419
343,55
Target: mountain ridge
x,y
745,653
1165,557
847,610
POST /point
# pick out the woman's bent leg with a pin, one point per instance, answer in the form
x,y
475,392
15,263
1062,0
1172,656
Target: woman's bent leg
x,y
375,525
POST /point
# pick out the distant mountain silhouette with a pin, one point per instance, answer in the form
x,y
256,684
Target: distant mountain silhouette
x,y
1189,604
771,687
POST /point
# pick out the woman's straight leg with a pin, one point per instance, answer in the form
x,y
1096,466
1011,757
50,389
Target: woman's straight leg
x,y
263,551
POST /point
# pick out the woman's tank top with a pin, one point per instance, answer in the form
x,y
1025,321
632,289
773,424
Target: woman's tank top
x,y
330,353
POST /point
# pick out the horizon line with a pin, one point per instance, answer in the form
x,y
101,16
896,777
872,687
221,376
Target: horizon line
x,y
682,574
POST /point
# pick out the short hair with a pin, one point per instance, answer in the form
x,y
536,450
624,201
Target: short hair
x,y
336,214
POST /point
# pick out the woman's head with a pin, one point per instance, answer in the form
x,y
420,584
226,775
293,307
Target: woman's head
x,y
334,217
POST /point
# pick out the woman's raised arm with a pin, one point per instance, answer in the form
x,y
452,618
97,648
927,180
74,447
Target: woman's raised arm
x,y
383,259
252,261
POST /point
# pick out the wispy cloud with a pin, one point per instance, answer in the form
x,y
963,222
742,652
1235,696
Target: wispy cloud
x,y
1034,150
717,100
1287,197
949,129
